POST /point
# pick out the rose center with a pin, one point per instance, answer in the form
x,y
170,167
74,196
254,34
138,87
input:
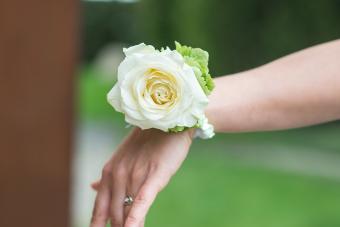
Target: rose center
x,y
161,86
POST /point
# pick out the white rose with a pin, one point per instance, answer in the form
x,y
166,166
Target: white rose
x,y
157,89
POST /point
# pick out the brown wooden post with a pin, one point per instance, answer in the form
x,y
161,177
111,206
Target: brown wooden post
x,y
37,66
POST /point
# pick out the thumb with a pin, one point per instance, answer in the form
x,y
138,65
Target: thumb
x,y
95,185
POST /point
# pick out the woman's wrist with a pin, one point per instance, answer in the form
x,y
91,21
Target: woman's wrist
x,y
228,107
215,106
139,135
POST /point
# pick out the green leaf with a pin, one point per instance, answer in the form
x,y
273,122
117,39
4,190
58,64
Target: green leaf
x,y
177,129
198,60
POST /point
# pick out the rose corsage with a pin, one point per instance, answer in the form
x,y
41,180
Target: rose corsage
x,y
164,89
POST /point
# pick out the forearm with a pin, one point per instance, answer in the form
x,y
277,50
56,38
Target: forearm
x,y
297,90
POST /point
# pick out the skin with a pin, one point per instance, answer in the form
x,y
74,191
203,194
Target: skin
x,y
295,91
141,167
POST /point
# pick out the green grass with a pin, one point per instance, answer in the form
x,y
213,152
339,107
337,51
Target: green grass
x,y
212,190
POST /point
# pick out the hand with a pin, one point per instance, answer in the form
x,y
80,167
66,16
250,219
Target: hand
x,y
141,167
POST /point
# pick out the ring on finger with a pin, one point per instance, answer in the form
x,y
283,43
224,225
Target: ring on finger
x,y
128,200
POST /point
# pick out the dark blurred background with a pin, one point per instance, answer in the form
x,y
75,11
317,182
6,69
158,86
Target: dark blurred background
x,y
238,34
287,178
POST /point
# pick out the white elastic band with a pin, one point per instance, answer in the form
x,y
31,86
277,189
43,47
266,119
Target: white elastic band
x,y
205,131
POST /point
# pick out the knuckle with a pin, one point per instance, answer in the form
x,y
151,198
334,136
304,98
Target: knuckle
x,y
97,219
141,198
137,175
131,221
107,170
119,172
154,167
116,223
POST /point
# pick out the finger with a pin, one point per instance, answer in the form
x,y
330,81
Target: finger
x,y
126,214
102,203
141,224
143,202
136,180
117,199
95,185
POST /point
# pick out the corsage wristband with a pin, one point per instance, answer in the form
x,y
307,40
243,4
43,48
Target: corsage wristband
x,y
164,89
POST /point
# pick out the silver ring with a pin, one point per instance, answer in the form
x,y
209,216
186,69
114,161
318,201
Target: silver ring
x,y
128,201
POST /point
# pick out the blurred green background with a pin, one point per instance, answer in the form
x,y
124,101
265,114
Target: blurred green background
x,y
267,179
